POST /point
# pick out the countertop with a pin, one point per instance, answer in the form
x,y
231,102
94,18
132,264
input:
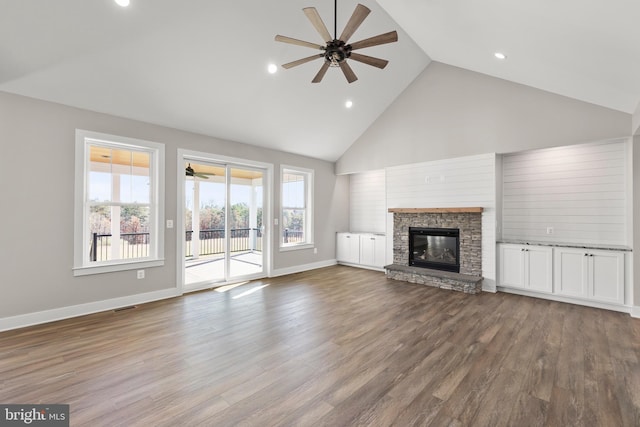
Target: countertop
x,y
568,245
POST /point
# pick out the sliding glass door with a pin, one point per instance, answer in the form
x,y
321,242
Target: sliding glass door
x,y
223,223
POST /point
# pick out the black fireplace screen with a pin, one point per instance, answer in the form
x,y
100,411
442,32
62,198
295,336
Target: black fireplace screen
x,y
436,248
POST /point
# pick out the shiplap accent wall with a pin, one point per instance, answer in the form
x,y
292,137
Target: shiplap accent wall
x,y
460,182
580,191
367,202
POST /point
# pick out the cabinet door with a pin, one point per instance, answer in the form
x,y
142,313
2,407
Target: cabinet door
x,y
512,266
606,276
342,248
372,250
380,259
570,269
538,271
348,248
367,249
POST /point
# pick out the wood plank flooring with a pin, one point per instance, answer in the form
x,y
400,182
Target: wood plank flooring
x,y
337,346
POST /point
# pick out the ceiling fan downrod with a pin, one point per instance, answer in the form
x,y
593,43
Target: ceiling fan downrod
x,y
335,20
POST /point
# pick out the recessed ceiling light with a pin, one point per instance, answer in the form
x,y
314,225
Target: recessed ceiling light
x,y
272,68
348,104
500,55
123,3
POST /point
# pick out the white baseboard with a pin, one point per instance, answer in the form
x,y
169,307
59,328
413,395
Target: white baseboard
x,y
635,312
365,267
30,319
489,285
301,268
560,298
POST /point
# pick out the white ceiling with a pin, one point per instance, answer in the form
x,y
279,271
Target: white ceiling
x,y
200,65
584,49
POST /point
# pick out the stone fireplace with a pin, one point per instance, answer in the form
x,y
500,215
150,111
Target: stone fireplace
x,y
411,264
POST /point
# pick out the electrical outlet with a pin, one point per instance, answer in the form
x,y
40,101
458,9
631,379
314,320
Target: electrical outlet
x,y
169,223
549,230
315,250
275,221
140,274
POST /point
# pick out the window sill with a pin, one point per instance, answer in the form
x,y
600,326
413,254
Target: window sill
x,y
111,268
296,247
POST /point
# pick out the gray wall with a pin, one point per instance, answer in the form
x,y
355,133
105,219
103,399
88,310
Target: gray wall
x,y
451,112
37,185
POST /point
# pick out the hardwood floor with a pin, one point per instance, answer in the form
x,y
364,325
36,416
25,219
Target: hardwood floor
x,y
333,347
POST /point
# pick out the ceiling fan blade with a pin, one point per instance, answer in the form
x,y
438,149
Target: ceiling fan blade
x,y
369,60
285,39
356,19
201,175
389,37
321,73
348,72
301,61
317,22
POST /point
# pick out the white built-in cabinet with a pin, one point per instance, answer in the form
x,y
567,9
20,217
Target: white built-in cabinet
x,y
527,267
589,274
372,250
580,274
348,248
361,249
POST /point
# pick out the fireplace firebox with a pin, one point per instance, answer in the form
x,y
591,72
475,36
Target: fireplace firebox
x,y
435,248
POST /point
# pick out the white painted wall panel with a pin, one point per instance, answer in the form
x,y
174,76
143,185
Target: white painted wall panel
x,y
578,190
462,182
367,204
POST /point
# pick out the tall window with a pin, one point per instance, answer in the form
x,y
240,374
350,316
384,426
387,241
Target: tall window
x,y
296,214
118,212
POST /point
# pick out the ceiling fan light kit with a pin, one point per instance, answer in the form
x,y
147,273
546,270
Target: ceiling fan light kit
x,y
336,50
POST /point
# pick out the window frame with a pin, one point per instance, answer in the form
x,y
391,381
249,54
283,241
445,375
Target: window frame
x,y
81,264
308,174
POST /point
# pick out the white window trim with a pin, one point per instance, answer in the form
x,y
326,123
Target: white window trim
x,y
80,265
309,221
185,155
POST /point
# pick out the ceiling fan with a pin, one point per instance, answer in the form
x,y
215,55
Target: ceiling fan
x,y
337,51
190,172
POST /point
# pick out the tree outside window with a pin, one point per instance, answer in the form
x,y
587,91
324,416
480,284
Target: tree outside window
x,y
296,197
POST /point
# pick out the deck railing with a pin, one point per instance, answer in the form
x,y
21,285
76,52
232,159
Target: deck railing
x,y
292,236
212,241
136,245
132,245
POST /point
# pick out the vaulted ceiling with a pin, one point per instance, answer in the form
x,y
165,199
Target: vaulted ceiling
x,y
201,65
